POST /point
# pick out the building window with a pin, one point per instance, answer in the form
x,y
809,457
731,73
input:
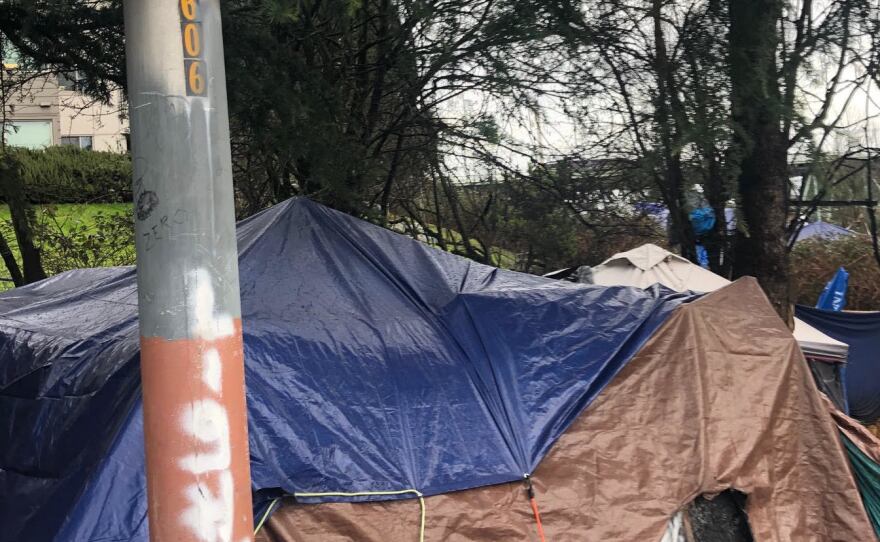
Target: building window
x,y
83,142
70,80
11,59
31,134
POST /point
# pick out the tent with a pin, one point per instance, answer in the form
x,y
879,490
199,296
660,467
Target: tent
x,y
379,369
822,230
649,264
863,450
861,331
712,401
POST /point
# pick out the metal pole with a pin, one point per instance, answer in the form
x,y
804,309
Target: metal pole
x,y
195,421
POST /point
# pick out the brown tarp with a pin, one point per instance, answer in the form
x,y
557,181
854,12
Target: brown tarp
x,y
720,397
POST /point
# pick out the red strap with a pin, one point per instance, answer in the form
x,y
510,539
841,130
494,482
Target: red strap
x,y
538,519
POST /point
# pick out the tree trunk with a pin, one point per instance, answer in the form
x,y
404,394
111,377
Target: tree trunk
x,y
11,264
22,218
763,180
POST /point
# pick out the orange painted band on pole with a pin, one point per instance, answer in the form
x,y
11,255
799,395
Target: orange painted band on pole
x,y
196,439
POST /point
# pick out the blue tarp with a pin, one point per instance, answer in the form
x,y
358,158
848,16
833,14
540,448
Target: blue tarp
x,y
660,213
702,220
373,362
833,296
861,331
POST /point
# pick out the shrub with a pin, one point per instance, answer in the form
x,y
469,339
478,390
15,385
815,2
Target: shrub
x,y
814,262
71,175
72,237
106,239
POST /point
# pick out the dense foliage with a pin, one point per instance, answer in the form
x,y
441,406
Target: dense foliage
x,y
107,239
72,236
30,245
433,117
68,174
815,262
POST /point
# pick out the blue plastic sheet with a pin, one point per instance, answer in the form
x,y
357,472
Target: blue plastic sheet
x,y
861,331
833,296
702,256
373,363
702,220
660,213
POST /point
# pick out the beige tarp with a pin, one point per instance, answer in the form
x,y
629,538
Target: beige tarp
x,y
720,397
649,264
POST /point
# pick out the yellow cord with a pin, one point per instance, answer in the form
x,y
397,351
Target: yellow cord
x,y
360,494
265,516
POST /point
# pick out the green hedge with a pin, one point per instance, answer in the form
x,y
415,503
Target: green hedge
x,y
71,175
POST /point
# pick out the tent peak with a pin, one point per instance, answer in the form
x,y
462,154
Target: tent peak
x,y
644,257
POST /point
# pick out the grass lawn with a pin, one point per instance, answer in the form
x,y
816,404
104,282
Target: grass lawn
x,y
67,216
74,213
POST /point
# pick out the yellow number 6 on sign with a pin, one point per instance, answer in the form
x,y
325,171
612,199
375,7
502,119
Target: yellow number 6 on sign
x,y
196,83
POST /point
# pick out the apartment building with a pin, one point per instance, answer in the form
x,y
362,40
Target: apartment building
x,y
49,110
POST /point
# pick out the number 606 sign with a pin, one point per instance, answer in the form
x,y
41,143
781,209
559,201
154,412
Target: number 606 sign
x,y
195,74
